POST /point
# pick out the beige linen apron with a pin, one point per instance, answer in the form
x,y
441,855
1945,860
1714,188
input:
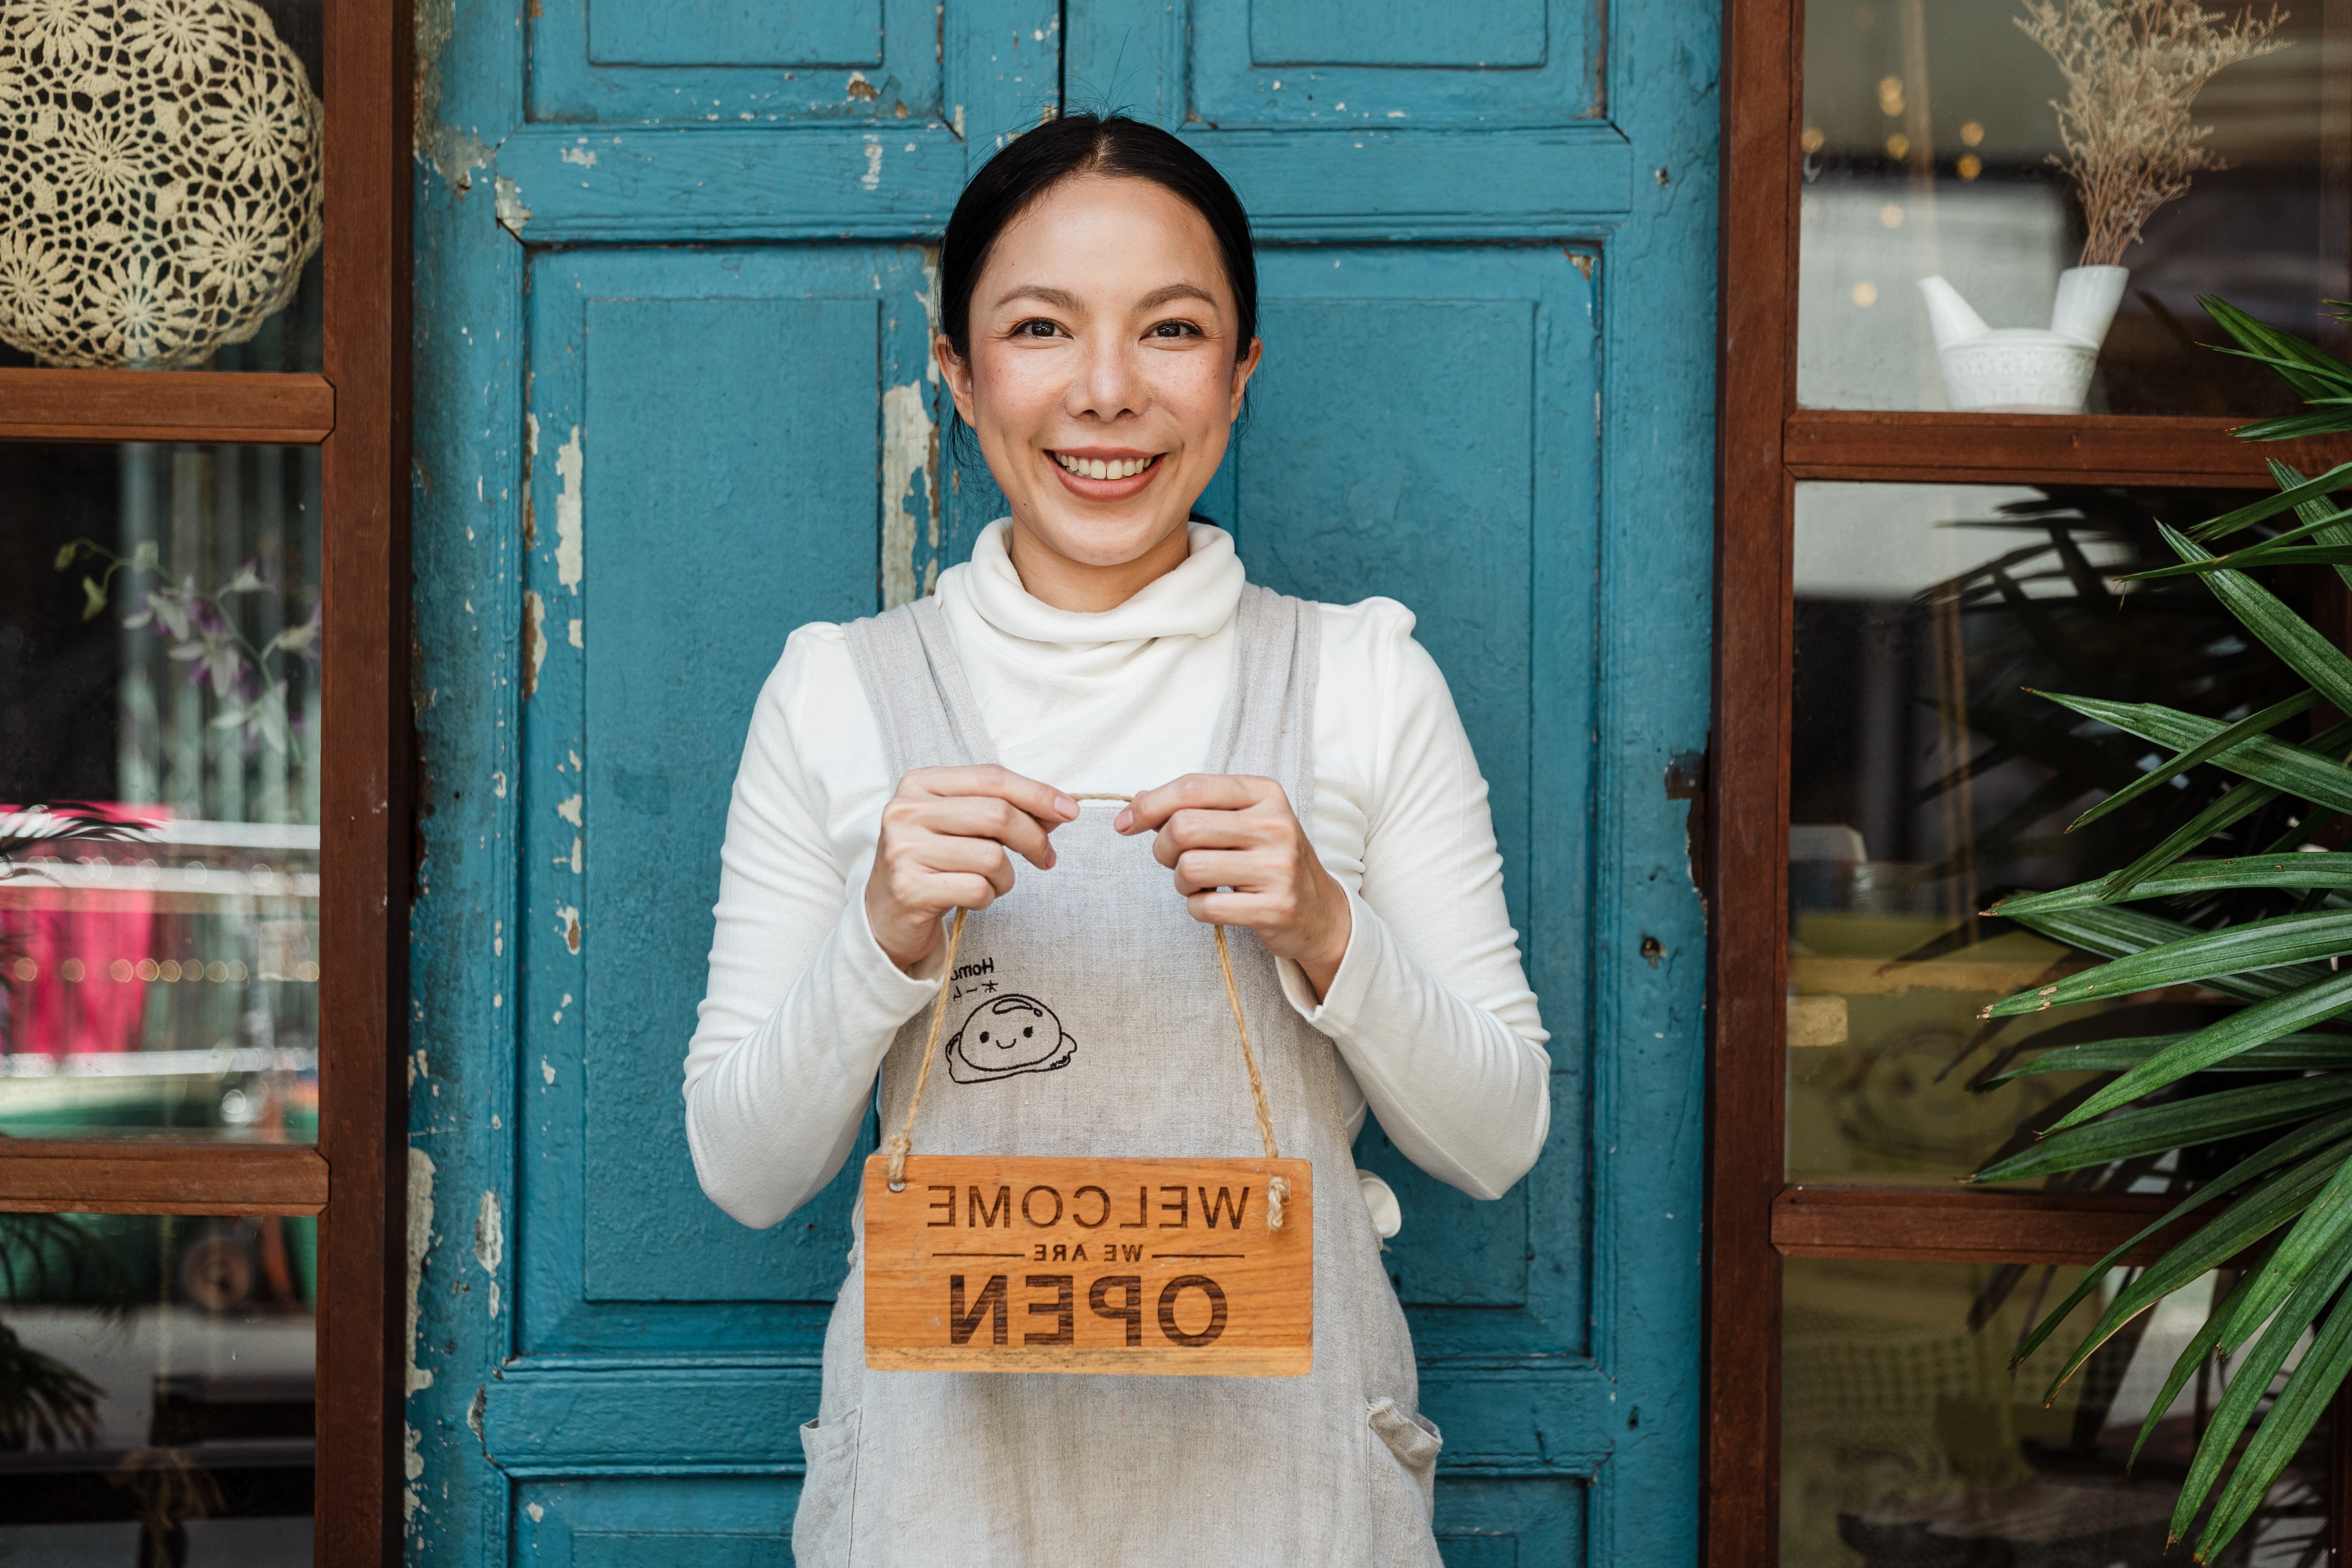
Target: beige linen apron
x,y
1126,1047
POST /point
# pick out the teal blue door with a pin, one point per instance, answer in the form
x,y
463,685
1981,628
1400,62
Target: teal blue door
x,y
672,399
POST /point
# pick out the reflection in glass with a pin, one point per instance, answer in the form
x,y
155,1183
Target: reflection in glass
x,y
1927,138
1904,1438
1927,780
158,628
156,1390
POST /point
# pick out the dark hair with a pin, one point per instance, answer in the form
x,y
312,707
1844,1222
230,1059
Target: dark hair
x,y
1112,144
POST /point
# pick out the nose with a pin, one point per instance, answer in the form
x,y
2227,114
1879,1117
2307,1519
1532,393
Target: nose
x,y
1107,385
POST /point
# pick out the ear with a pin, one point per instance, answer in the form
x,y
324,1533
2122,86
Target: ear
x,y
1244,367
958,372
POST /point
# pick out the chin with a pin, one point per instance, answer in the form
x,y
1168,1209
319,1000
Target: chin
x,y
1105,541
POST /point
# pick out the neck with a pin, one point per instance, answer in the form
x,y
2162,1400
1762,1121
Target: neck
x,y
1052,578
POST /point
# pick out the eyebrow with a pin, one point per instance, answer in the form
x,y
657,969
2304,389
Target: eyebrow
x,y
1063,300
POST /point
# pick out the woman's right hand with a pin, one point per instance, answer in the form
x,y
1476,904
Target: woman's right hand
x,y
943,847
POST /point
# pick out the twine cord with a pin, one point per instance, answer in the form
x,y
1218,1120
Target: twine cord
x,y
902,1143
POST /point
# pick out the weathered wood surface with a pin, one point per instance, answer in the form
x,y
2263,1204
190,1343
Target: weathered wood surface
x,y
1151,1267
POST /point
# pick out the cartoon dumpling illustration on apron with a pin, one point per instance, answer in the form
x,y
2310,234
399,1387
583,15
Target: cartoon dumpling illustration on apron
x,y
1008,1035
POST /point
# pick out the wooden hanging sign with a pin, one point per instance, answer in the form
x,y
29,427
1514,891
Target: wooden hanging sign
x,y
988,1263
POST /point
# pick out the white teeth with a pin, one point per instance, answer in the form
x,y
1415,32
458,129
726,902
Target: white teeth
x,y
1104,468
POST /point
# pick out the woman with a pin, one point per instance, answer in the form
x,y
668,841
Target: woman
x,y
1309,785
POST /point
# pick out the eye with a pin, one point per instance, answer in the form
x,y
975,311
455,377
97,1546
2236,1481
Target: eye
x,y
1038,326
1027,1033
983,1037
1175,330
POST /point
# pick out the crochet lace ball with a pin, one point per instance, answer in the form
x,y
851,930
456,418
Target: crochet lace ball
x,y
158,178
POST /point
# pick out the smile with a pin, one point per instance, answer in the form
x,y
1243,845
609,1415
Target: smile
x,y
1105,469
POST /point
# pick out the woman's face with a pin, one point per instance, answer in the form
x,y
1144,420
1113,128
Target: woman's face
x,y
1103,378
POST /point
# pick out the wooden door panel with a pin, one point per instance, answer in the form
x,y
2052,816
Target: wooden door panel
x,y
1391,64
656,1523
1419,430
1488,1524
711,448
734,62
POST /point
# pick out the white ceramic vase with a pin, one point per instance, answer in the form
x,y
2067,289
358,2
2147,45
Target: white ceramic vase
x,y
2025,369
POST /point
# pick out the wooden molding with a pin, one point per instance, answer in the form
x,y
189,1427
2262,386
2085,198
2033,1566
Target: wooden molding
x,y
165,406
2019,449
1963,1226
42,1175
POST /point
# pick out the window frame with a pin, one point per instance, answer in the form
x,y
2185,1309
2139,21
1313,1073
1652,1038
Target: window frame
x,y
356,411
1767,445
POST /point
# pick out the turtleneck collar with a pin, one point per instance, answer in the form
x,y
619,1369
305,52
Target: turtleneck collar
x,y
1197,599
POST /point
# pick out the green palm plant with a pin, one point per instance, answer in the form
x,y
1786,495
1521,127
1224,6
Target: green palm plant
x,y
2261,1095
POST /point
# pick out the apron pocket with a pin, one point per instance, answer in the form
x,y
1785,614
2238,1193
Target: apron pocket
x,y
1403,1455
822,1526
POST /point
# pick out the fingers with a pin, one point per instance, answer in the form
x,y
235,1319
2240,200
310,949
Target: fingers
x,y
1197,792
985,817
1044,802
1197,870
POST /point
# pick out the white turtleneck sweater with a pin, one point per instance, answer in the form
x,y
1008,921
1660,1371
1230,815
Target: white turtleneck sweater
x,y
1430,1009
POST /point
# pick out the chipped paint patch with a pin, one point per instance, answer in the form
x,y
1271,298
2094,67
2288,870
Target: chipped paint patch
x,y
907,450
452,153
512,214
872,179
583,154
537,1513
931,314
575,634
420,1238
547,1071
489,1233
861,90
567,808
412,1465
530,463
567,923
499,784
474,1408
534,640
567,511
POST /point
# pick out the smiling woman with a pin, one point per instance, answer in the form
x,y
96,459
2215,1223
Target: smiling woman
x,y
1110,391
1312,788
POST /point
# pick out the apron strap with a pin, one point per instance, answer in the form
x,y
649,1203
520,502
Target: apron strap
x,y
902,1143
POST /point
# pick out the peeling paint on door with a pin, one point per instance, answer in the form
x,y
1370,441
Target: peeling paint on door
x,y
489,1233
420,1238
534,639
567,511
906,451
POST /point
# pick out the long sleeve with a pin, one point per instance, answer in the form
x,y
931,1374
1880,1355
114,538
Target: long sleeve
x,y
801,1003
1430,1007
1429,1010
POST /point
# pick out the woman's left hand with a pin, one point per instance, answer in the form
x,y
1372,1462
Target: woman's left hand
x,y
1241,858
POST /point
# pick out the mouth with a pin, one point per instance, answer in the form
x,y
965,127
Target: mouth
x,y
1100,474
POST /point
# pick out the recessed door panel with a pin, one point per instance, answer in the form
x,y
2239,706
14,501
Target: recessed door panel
x,y
734,63
711,448
1394,64
1421,428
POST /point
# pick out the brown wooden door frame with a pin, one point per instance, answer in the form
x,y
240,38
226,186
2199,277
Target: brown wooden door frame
x,y
357,412
1766,445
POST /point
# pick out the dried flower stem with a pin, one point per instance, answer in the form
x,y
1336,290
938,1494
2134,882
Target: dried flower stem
x,y
2132,68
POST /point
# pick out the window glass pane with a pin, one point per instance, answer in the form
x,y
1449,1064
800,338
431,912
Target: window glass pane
x,y
160,186
158,1371
1926,781
1904,1438
1928,134
158,630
